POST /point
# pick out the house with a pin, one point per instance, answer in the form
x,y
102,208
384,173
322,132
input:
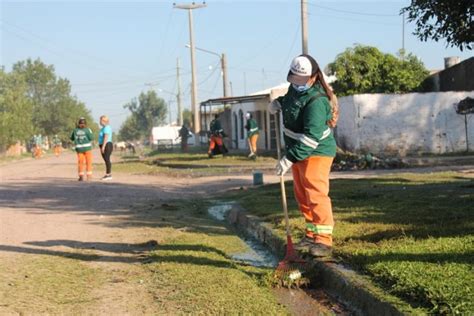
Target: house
x,y
233,111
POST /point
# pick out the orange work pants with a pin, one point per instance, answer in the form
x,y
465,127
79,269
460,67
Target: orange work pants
x,y
84,158
57,150
311,187
38,152
215,140
253,143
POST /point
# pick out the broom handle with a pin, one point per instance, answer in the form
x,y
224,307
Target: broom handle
x,y
282,180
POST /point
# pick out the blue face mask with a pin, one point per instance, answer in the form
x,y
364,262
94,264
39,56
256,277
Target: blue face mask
x,y
301,88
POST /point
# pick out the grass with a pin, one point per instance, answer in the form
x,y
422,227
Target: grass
x,y
192,164
413,234
193,271
46,285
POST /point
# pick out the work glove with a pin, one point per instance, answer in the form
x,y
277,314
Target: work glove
x,y
283,166
274,107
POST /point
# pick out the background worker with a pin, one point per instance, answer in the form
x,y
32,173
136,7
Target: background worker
x,y
309,111
82,138
38,151
106,146
184,133
252,135
57,144
216,145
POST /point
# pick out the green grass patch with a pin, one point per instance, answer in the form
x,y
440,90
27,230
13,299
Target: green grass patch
x,y
193,271
194,164
46,285
413,234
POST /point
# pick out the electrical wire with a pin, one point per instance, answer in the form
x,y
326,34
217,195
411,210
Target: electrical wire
x,y
352,12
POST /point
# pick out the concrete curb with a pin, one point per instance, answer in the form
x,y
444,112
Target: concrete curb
x,y
346,285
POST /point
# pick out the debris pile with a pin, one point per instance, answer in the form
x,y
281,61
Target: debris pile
x,y
350,161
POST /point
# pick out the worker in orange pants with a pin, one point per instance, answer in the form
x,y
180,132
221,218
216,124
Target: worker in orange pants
x,y
310,111
82,138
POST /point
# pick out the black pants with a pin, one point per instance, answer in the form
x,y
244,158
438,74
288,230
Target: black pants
x,y
106,155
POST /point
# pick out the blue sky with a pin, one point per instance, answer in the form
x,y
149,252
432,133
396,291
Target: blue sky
x,y
111,50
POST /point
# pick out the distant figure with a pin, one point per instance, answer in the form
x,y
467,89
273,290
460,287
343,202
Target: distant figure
x,y
82,138
106,146
252,135
57,144
216,145
184,133
38,149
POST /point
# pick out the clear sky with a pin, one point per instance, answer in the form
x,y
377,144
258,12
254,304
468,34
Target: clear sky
x,y
111,50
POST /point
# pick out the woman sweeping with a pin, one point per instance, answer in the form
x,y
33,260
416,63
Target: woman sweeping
x,y
309,111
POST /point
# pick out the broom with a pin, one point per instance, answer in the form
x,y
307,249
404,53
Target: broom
x,y
289,271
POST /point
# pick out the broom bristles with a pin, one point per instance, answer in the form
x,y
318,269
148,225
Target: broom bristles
x,y
292,261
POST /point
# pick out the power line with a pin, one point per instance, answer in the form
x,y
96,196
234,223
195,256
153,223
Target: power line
x,y
352,12
352,19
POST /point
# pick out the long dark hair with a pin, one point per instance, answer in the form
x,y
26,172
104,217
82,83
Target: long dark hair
x,y
316,71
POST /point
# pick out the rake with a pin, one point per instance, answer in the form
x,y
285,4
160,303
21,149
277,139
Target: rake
x,y
289,270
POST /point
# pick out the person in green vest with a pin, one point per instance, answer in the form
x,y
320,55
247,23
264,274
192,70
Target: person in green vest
x,y
216,144
252,135
82,138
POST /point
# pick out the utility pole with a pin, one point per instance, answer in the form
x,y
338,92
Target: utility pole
x,y
194,98
223,60
178,95
304,25
224,74
245,83
403,37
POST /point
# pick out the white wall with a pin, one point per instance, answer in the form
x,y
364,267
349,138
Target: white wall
x,y
404,123
250,106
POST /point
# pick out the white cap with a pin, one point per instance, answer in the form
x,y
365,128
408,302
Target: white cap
x,y
301,69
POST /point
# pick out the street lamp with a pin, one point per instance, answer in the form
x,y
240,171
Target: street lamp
x,y
223,60
194,99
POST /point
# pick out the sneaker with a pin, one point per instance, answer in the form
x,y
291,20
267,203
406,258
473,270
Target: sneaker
x,y
107,177
250,155
320,250
81,178
304,243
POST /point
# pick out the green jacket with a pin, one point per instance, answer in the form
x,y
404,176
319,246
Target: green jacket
x,y
216,128
82,138
304,118
251,127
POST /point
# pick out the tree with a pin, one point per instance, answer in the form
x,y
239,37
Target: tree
x,y
54,110
365,69
148,111
129,131
15,110
452,20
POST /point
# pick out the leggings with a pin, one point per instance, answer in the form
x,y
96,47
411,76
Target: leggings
x,y
106,155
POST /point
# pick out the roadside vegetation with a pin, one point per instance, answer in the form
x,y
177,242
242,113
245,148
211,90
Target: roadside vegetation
x,y
192,270
192,164
413,234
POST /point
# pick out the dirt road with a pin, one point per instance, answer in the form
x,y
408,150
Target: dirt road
x,y
46,212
